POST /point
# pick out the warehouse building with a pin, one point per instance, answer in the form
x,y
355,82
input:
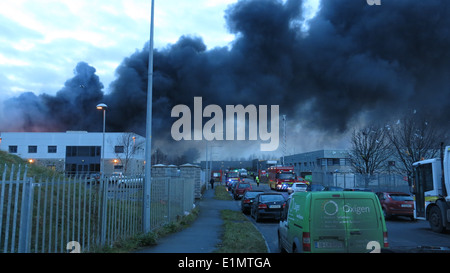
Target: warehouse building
x,y
326,161
78,151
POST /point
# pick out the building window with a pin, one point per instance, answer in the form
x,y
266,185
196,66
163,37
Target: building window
x,y
118,149
83,151
52,149
32,149
12,149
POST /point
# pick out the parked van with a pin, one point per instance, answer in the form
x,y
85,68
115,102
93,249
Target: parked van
x,y
335,221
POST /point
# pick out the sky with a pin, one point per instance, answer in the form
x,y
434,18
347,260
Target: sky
x,y
354,65
41,41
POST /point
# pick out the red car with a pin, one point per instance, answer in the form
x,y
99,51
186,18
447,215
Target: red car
x,y
396,204
240,189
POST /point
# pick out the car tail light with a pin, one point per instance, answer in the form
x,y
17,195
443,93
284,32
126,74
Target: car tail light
x,y
262,206
385,239
246,201
306,241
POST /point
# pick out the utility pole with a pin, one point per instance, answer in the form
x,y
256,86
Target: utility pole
x,y
206,166
148,133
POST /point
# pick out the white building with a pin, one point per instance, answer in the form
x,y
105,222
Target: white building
x,y
78,151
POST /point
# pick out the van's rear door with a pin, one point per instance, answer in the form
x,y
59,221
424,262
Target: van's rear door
x,y
328,223
363,221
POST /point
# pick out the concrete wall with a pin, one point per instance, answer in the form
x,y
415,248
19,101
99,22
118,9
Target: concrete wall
x,y
189,171
186,172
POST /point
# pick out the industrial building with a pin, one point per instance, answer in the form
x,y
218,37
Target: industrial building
x,y
326,161
327,167
78,151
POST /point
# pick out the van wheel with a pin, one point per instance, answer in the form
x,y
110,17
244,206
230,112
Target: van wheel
x,y
280,246
435,220
295,249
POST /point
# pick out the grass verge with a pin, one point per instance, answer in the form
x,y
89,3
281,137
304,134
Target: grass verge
x,y
221,193
240,235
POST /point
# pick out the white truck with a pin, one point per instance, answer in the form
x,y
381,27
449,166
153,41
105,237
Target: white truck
x,y
431,187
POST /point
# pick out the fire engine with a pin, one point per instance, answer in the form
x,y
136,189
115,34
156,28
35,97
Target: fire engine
x,y
217,175
232,176
280,178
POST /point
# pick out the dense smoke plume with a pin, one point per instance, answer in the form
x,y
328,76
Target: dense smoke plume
x,y
356,64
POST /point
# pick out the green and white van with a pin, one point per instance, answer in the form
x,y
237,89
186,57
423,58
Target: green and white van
x,y
334,221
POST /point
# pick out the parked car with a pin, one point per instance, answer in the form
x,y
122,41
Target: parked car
x,y
231,185
268,205
297,187
333,188
334,221
93,178
247,200
315,187
115,177
358,189
240,189
396,204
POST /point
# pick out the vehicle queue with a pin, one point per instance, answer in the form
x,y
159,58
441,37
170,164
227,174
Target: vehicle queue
x,y
342,220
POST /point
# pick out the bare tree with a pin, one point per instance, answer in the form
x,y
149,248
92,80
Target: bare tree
x,y
159,157
126,148
370,150
414,138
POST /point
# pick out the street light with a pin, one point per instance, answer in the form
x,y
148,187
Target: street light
x,y
103,107
148,130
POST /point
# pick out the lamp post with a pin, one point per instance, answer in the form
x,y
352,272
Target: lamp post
x,y
148,134
103,107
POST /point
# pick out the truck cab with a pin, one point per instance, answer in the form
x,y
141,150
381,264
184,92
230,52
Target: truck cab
x,y
430,189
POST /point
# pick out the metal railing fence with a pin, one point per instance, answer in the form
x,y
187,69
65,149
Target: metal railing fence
x,y
376,182
61,214
171,197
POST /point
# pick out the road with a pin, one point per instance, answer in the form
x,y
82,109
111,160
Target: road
x,y
404,235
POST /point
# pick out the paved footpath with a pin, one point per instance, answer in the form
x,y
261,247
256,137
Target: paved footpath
x,y
203,235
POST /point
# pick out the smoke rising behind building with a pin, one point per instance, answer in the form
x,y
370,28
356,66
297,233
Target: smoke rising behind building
x,y
356,65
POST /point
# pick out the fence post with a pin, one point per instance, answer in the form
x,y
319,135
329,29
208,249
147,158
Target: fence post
x,y
103,213
168,181
26,216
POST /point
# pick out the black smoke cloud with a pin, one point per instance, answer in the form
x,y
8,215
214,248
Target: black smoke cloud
x,y
70,109
356,63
